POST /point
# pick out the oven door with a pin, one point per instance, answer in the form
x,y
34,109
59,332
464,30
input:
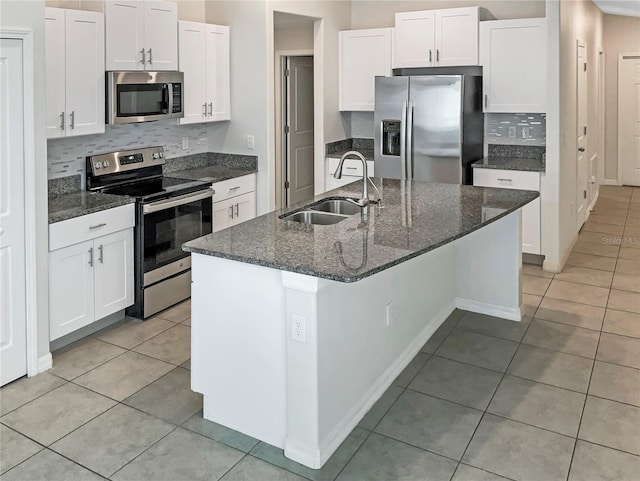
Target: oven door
x,y
167,225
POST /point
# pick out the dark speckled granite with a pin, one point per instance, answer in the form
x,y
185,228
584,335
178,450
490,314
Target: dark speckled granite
x,y
208,159
212,173
368,154
520,151
68,206
510,163
65,185
339,147
352,250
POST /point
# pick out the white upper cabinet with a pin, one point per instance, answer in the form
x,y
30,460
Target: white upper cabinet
x,y
74,72
513,57
438,38
363,55
141,35
204,60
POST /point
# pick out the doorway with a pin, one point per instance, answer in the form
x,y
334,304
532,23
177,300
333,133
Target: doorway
x,y
13,274
629,119
581,134
298,128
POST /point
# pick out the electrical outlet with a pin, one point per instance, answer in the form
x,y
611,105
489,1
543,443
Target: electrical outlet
x,y
390,318
525,132
251,142
298,328
512,132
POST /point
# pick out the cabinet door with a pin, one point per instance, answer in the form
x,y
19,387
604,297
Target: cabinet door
x,y
531,227
84,59
364,54
71,289
161,35
223,213
55,50
218,73
191,37
513,57
244,207
456,36
113,272
414,42
124,34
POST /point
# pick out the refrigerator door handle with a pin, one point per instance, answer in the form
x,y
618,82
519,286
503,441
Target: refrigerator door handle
x,y
410,141
403,132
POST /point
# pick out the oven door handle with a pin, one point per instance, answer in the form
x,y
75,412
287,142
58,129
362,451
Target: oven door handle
x,y
176,201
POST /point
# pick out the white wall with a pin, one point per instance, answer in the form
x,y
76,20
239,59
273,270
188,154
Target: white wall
x,y
31,15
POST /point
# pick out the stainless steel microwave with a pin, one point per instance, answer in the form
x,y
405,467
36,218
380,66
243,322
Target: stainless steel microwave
x,y
144,96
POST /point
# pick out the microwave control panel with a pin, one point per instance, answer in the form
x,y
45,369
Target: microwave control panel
x,y
177,98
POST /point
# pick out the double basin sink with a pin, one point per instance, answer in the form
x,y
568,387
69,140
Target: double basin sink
x,y
324,212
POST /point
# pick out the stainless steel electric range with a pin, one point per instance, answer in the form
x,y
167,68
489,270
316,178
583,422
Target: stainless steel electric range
x,y
169,212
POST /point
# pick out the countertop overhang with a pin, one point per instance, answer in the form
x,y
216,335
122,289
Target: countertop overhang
x,y
415,217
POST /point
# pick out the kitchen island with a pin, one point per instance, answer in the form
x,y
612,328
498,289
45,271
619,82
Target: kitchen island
x,y
298,329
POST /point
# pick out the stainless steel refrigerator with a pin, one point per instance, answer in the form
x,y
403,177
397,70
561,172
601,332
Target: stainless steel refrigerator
x,y
428,127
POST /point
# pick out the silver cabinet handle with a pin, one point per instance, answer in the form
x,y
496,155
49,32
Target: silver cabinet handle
x,y
231,189
430,56
97,226
486,100
505,180
204,109
438,55
73,119
210,109
100,255
143,60
91,256
350,168
237,210
231,211
62,121
150,58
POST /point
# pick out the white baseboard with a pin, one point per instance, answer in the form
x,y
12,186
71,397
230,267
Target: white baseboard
x,y
593,203
610,182
45,362
349,422
510,313
556,267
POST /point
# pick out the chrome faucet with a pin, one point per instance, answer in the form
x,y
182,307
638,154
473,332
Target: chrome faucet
x,y
364,201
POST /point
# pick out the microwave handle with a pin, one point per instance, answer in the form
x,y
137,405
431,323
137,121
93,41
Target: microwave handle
x,y
166,97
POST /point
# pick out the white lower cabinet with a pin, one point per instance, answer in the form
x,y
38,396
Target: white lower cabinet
x,y
516,179
234,201
91,279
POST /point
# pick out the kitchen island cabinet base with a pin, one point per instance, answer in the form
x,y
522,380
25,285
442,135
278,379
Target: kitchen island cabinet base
x,y
305,395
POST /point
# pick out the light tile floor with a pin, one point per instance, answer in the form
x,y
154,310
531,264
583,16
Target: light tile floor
x,y
555,397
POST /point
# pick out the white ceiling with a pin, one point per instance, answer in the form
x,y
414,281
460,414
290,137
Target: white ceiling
x,y
629,8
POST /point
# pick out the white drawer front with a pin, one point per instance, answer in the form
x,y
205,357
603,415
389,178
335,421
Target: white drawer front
x,y
90,226
232,187
351,167
507,179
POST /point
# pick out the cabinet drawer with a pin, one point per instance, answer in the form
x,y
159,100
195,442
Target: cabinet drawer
x,y
232,187
351,167
506,179
90,226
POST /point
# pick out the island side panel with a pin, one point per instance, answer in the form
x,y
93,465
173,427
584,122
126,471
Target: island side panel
x,y
489,264
358,353
238,359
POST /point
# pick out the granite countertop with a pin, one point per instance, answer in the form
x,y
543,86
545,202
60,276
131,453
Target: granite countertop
x,y
510,163
368,154
212,173
76,204
352,250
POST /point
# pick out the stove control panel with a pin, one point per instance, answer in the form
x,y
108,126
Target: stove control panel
x,y
124,161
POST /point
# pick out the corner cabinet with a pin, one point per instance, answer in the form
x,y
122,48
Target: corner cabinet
x,y
204,60
234,201
513,56
363,55
90,268
74,72
516,179
438,38
141,35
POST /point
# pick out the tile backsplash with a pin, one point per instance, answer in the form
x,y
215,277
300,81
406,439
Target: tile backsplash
x,y
515,129
66,156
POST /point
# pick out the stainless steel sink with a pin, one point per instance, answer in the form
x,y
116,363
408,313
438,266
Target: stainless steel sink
x,y
315,217
336,206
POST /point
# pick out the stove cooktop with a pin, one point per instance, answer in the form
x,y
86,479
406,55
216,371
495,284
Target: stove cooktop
x,y
157,188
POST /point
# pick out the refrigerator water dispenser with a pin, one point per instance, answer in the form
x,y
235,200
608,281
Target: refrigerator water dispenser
x,y
391,137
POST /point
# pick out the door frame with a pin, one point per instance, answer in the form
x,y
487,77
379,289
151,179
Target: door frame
x,y
26,36
280,137
621,56
581,218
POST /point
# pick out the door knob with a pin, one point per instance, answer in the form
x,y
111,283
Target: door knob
x,y
581,149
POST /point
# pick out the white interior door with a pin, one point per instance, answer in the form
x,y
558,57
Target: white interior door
x,y
581,135
629,118
13,327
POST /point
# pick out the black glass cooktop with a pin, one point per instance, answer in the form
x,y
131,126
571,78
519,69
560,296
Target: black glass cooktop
x,y
157,188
